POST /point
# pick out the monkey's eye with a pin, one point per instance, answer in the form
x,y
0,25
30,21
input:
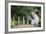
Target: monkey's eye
x,y
32,17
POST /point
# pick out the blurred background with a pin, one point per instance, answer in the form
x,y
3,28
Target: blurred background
x,y
24,11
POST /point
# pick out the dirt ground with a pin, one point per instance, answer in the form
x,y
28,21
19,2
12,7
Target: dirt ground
x,y
24,26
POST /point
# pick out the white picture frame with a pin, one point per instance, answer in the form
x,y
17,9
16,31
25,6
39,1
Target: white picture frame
x,y
8,28
23,29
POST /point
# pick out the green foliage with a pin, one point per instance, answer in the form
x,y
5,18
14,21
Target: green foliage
x,y
23,10
13,22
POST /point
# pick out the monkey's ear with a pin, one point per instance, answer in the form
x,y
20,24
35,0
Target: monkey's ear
x,y
36,12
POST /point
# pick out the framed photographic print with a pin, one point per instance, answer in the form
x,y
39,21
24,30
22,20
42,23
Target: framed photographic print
x,y
24,16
